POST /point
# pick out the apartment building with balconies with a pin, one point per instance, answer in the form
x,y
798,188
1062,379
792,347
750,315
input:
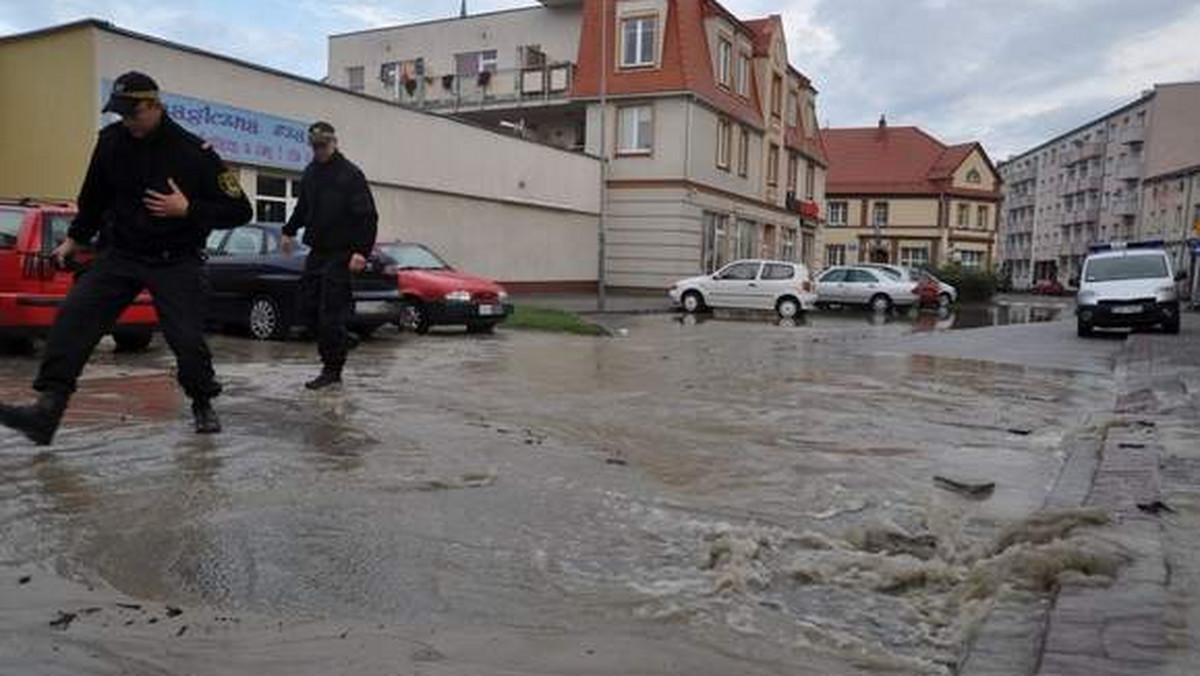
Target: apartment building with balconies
x,y
708,135
1102,182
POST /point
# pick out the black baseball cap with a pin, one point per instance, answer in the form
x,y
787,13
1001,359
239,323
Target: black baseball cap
x,y
128,90
321,132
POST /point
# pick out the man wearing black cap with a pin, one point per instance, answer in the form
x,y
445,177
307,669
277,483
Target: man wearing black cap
x,y
338,216
153,191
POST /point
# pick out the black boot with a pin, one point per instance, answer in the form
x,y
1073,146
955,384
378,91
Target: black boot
x,y
37,421
328,378
207,421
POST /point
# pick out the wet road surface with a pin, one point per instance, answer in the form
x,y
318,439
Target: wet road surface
x,y
700,497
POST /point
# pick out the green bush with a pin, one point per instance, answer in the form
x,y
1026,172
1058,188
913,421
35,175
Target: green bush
x,y
973,285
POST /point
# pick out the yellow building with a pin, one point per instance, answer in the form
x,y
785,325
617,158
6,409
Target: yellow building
x,y
898,195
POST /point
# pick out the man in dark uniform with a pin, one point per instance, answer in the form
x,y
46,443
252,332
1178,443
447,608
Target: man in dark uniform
x,y
337,213
153,191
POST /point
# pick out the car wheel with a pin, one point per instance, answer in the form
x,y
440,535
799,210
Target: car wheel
x,y
132,340
692,302
1083,329
788,308
415,317
944,300
881,303
365,332
265,319
481,328
16,345
1171,326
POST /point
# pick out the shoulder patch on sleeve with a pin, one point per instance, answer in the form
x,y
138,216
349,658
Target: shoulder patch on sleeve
x,y
228,181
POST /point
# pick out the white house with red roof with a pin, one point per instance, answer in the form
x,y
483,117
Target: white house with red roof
x,y
710,136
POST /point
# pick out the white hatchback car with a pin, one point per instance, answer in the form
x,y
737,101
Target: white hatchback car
x,y
871,287
781,286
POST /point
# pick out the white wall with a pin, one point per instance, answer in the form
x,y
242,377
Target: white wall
x,y
555,30
513,209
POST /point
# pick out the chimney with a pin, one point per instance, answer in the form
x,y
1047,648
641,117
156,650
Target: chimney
x,y
882,121
882,133
462,11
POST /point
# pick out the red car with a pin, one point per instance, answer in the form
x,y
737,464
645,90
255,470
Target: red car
x,y
1049,287
32,287
434,294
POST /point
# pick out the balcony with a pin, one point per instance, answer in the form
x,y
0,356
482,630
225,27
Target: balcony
x,y
1022,175
1077,185
808,209
1125,206
1086,214
1020,201
1132,135
1081,153
1129,170
507,88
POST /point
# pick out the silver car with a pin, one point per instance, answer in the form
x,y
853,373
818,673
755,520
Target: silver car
x,y
947,294
865,286
1127,287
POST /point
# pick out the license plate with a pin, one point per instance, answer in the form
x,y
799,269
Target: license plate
x,y
373,307
1127,309
490,310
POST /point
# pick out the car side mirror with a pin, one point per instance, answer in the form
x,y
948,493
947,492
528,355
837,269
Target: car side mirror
x,y
1074,281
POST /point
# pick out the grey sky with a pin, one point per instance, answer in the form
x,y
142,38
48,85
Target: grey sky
x,y
1010,73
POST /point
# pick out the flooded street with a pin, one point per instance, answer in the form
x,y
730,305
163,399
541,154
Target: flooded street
x,y
692,497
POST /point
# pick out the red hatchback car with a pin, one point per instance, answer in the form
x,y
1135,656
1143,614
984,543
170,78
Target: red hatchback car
x,y
432,293
32,287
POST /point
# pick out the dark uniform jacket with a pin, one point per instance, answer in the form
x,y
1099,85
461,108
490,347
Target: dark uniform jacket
x,y
335,209
124,167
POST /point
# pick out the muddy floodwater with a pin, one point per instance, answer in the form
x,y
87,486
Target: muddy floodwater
x,y
690,497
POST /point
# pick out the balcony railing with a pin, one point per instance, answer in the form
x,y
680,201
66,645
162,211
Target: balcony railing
x,y
1081,153
1020,201
1085,214
1125,206
511,87
1134,134
1129,170
1083,184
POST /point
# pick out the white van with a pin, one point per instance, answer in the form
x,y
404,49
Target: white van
x,y
1127,286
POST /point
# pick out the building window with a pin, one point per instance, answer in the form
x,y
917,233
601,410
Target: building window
x,y
787,251
964,216
746,243
639,35
355,78
835,254
982,217
716,241
724,62
636,133
914,257
837,214
773,165
776,96
743,75
971,259
743,151
974,177
793,172
793,112
810,181
723,140
275,198
879,215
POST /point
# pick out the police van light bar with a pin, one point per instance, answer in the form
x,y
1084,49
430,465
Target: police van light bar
x,y
1122,246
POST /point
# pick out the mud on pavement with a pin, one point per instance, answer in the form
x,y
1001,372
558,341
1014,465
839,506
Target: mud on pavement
x,y
715,498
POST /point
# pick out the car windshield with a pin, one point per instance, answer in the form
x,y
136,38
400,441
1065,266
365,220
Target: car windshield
x,y
413,257
1126,267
